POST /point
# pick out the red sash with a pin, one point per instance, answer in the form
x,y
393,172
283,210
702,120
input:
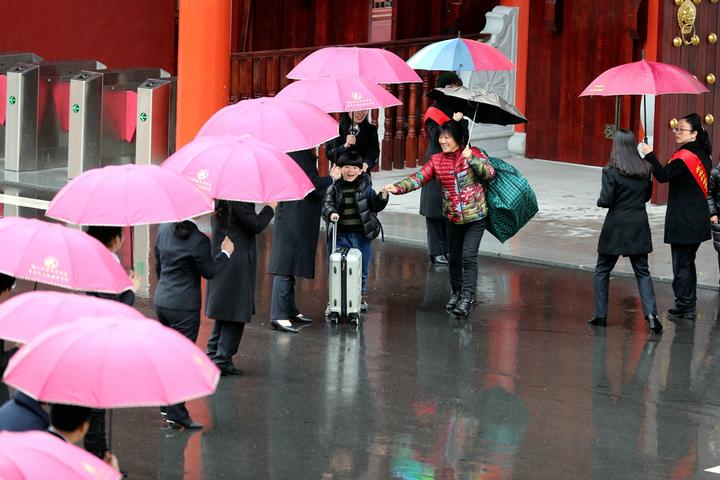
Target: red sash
x,y
435,114
697,169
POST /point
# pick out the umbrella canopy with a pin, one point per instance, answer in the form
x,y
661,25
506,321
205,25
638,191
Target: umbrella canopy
x,y
56,255
644,78
479,106
112,362
460,54
23,317
340,94
132,194
374,64
290,125
227,168
40,455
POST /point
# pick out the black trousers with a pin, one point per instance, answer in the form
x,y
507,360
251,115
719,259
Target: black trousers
x,y
684,275
463,243
283,298
224,342
186,322
605,265
436,232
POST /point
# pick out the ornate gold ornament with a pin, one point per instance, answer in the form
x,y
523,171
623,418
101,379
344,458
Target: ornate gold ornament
x,y
677,42
697,2
710,79
712,38
673,123
686,15
709,119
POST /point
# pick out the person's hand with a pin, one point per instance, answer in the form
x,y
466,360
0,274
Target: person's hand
x,y
364,167
112,460
350,141
334,217
136,280
335,173
384,194
714,219
389,188
272,205
228,245
467,153
645,148
458,116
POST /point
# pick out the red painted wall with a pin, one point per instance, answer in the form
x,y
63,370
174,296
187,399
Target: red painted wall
x,y
119,33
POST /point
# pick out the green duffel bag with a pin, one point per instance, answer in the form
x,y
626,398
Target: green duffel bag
x,y
511,200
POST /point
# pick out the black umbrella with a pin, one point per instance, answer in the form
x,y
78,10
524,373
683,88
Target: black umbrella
x,y
479,106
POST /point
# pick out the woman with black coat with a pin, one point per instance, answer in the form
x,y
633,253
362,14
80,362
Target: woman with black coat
x,y
294,243
687,217
182,257
231,294
626,187
714,206
358,133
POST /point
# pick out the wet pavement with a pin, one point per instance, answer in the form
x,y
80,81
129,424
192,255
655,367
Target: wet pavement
x,y
522,389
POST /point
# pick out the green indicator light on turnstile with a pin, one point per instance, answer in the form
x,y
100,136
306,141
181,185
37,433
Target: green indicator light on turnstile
x,y
12,100
76,107
143,116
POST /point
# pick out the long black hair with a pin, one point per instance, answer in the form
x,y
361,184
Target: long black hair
x,y
625,157
346,123
702,136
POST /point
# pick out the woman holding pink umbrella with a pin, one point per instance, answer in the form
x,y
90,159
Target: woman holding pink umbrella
x,y
182,256
356,132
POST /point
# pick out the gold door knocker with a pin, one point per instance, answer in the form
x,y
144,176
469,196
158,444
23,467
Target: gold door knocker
x,y
686,15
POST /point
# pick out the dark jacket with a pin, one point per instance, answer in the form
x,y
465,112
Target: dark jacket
x,y
431,196
179,264
368,201
231,294
22,413
687,216
366,142
297,225
626,230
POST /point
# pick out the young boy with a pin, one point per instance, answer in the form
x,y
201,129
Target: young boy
x,y
353,204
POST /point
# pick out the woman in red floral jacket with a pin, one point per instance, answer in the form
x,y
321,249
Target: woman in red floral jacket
x,y
461,173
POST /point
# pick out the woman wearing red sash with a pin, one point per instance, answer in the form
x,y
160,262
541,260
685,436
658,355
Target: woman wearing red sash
x,y
687,217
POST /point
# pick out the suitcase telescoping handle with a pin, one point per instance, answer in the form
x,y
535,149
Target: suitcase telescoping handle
x,y
333,226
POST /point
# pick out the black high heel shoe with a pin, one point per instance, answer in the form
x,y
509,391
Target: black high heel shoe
x,y
464,306
654,323
453,301
276,325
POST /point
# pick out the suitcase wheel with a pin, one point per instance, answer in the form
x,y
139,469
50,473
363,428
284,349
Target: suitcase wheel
x,y
354,319
334,318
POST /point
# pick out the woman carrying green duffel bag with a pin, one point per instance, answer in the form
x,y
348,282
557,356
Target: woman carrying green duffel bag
x,y
510,198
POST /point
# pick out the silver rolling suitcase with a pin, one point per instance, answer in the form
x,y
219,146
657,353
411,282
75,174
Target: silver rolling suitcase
x,y
345,278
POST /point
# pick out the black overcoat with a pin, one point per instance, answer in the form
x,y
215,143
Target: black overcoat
x,y
231,294
626,230
714,191
297,225
431,195
687,216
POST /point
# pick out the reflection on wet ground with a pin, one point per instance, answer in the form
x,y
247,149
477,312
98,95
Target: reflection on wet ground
x,y
522,389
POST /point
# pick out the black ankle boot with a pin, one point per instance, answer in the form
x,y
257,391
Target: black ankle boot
x,y
452,303
598,321
654,323
464,305
686,313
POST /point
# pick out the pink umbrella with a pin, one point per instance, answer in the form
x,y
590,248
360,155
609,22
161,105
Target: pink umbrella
x,y
228,168
123,195
644,78
374,64
112,362
50,253
23,317
290,125
340,94
41,455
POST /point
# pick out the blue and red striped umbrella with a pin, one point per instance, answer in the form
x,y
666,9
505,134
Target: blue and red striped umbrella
x,y
460,54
